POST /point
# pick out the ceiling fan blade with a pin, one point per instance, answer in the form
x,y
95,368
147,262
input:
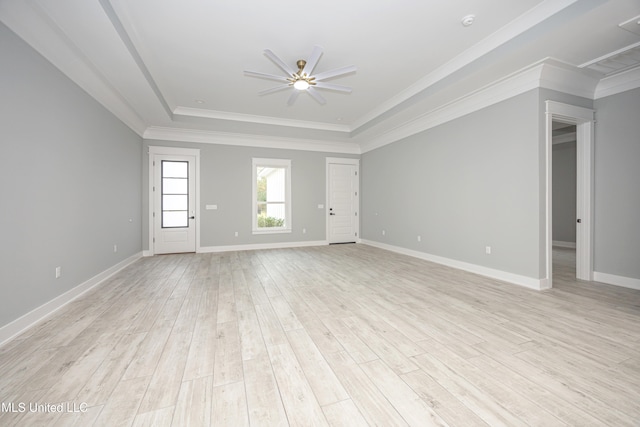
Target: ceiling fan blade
x,y
293,97
265,76
331,86
314,93
316,53
335,73
274,89
279,62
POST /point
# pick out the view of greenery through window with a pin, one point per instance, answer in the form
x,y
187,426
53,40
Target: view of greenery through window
x,y
263,219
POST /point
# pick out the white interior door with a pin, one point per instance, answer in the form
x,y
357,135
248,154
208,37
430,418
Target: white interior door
x,y
343,202
174,204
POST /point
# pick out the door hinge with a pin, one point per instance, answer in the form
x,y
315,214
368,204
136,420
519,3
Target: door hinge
x,y
356,213
154,214
154,163
154,240
356,193
356,234
356,172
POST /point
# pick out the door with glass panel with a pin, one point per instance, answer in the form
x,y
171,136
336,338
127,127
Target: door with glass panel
x,y
174,204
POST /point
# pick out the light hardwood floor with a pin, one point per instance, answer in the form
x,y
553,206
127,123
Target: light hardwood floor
x,y
344,335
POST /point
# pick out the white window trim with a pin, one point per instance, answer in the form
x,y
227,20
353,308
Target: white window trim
x,y
277,163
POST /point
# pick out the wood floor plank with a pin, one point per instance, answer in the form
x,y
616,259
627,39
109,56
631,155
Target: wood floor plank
x,y
229,406
483,405
344,414
101,384
323,381
193,406
373,405
412,408
445,404
299,401
122,406
228,361
263,397
167,378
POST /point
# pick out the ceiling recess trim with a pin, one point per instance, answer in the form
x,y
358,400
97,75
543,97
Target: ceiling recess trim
x,y
223,138
250,118
549,73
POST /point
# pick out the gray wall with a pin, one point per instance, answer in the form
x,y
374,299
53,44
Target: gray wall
x,y
617,185
70,181
463,185
225,180
564,192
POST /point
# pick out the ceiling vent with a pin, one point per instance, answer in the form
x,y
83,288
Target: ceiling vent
x,y
616,62
632,25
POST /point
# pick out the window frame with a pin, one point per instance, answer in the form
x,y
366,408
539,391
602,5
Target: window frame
x,y
273,163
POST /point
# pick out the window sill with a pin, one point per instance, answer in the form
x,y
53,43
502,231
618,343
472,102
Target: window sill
x,y
274,231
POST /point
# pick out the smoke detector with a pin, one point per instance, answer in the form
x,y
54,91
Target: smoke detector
x,y
468,20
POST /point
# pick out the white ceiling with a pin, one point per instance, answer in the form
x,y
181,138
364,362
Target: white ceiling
x,y
178,65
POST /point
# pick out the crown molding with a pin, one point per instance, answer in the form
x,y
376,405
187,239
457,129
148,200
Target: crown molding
x,y
250,118
622,82
548,73
223,138
535,16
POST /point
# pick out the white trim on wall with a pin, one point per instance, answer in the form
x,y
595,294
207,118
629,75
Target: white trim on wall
x,y
21,324
613,279
246,140
516,279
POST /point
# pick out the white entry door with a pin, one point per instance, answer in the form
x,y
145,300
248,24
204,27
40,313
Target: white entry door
x,y
174,207
343,202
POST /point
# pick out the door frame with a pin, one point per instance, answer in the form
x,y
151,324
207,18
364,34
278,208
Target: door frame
x,y
172,151
583,119
342,161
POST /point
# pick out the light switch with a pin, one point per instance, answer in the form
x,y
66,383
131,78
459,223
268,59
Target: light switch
x,y
211,207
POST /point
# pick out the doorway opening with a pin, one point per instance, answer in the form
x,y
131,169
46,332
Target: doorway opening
x,y
583,121
564,192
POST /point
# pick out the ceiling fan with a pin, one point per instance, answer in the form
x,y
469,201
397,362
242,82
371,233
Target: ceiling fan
x,y
303,80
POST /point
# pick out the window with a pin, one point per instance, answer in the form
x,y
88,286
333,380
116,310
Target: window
x,y
271,196
175,194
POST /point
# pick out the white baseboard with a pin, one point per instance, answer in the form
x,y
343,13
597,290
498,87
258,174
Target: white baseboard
x,y
612,279
256,246
561,244
528,282
11,330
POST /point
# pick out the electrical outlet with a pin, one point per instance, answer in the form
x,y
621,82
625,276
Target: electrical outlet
x,y
487,250
58,272
419,238
304,231
115,248
384,232
236,234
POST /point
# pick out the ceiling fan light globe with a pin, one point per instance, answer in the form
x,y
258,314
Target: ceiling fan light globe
x,y
301,85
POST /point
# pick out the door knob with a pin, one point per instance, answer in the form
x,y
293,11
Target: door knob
x,y
192,217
